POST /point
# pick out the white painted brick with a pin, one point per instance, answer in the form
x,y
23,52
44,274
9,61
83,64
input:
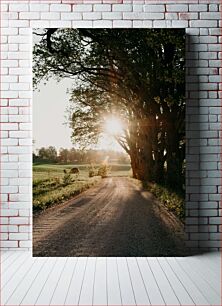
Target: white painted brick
x,y
9,126
25,189
19,7
19,150
208,39
60,24
135,15
92,15
19,118
19,134
138,23
19,23
29,15
25,142
8,244
4,7
102,24
25,126
212,15
39,23
122,7
18,236
215,220
19,86
24,212
60,7
112,15
177,8
9,212
122,23
215,78
154,8
82,8
9,63
9,142
9,94
37,7
171,16
9,173
203,23
213,7
215,63
24,229
137,8
4,220
13,47
162,23
4,134
71,16
197,7
180,23
215,31
19,220
50,16
25,244
8,228
83,24
25,157
12,158
188,16
20,71
9,31
102,7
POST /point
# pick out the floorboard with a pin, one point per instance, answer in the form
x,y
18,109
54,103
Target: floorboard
x,y
28,280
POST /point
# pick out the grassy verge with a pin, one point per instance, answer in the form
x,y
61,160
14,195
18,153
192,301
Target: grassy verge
x,y
48,192
173,201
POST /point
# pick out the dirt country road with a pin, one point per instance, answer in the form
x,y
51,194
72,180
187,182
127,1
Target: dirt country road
x,y
115,218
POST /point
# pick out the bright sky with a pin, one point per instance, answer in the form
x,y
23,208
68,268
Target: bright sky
x,y
49,118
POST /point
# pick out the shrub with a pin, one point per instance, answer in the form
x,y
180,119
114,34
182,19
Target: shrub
x,y
173,201
92,170
67,178
103,170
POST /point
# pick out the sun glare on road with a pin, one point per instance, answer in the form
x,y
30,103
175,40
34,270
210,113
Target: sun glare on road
x,y
113,126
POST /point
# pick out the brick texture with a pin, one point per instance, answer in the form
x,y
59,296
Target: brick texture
x,y
201,18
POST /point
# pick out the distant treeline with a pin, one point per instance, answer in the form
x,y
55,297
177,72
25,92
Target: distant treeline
x,y
50,154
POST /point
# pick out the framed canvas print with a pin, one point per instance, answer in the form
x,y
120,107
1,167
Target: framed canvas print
x,y
109,142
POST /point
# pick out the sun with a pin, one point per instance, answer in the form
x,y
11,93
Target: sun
x,y
113,126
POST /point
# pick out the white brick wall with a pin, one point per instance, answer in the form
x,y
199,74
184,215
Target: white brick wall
x,y
203,52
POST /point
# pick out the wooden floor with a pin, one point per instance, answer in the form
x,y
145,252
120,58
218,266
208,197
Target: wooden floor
x,y
191,280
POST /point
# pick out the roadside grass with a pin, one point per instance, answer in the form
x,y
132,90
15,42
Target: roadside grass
x,y
49,188
174,201
46,196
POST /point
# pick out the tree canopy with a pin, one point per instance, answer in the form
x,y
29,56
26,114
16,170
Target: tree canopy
x,y
137,74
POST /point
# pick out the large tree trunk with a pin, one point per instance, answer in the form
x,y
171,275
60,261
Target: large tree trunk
x,y
173,173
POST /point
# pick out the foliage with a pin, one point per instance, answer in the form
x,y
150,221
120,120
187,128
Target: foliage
x,y
67,178
173,201
136,74
49,191
49,154
65,156
103,170
92,170
62,193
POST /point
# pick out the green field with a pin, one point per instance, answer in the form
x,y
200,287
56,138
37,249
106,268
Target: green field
x,y
49,187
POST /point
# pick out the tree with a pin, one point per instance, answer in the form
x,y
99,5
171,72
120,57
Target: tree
x,y
49,154
64,155
137,74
